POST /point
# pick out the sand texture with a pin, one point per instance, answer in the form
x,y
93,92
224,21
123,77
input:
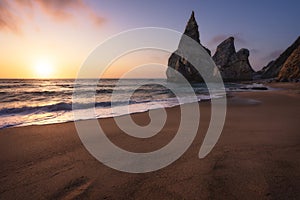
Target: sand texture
x,y
257,157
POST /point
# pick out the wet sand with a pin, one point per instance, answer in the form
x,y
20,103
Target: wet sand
x,y
256,157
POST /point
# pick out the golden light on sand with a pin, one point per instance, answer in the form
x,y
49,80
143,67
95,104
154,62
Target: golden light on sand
x,y
43,69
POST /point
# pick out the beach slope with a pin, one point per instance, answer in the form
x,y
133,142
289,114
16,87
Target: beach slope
x,y
257,157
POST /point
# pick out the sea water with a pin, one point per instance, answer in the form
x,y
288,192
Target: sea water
x,y
36,102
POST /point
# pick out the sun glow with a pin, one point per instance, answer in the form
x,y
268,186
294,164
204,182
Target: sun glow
x,y
43,69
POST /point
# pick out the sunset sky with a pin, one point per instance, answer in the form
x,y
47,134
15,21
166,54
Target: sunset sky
x,y
51,39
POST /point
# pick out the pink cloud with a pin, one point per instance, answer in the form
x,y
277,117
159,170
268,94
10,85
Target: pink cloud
x,y
216,40
8,19
274,54
59,10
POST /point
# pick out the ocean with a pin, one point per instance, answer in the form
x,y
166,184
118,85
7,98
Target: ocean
x,y
36,102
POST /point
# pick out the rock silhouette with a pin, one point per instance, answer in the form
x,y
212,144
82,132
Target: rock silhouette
x,y
233,66
180,64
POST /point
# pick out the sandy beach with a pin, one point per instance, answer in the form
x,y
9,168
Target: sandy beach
x,y
256,157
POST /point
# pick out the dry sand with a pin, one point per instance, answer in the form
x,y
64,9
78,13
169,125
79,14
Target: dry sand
x,y
257,157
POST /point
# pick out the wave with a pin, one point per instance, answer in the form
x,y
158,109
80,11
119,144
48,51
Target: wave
x,y
65,85
17,85
139,90
47,93
105,91
31,109
62,106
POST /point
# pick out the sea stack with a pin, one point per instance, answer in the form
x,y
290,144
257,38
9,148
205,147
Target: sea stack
x,y
233,66
180,64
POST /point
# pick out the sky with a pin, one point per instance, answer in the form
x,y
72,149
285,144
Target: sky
x,y
51,39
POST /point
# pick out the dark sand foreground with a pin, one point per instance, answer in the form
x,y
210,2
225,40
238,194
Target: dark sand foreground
x,y
257,157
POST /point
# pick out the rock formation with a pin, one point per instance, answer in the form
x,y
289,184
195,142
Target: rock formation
x,y
233,66
274,67
180,64
290,70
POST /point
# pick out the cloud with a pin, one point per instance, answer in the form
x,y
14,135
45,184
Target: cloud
x,y
64,10
216,40
255,51
59,10
261,61
272,55
8,20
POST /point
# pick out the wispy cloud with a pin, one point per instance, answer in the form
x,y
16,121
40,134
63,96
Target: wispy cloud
x,y
261,61
64,9
8,19
59,10
273,55
255,51
216,40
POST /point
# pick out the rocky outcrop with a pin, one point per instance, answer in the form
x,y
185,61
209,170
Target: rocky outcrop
x,y
290,70
179,64
274,67
233,66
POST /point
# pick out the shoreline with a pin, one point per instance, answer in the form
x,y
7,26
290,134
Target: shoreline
x,y
228,95
257,154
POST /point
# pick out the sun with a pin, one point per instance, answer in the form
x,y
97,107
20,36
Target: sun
x,y
43,69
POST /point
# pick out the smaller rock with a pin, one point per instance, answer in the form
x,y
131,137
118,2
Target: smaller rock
x,y
233,66
224,51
